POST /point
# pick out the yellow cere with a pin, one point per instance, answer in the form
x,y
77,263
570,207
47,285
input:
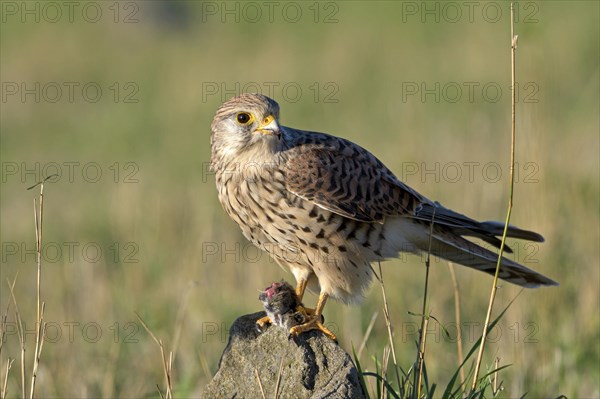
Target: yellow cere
x,y
267,120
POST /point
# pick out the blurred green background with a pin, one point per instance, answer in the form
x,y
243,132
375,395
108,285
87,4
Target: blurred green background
x,y
117,97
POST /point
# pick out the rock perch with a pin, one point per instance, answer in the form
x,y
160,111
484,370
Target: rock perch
x,y
312,365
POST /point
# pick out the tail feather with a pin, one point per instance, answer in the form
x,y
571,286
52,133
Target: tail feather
x,y
465,226
454,248
497,229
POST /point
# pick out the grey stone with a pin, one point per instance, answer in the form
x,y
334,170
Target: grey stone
x,y
313,366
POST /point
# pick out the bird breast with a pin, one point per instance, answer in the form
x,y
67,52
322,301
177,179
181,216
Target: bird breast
x,y
298,233
254,196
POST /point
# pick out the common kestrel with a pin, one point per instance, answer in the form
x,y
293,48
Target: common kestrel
x,y
327,208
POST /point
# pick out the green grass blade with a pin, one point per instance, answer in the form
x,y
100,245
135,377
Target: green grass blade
x,y
361,377
448,392
387,385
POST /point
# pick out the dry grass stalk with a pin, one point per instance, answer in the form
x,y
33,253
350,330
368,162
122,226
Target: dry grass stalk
x,y
167,364
457,320
388,323
495,387
278,382
39,344
205,367
20,334
260,385
424,314
38,217
9,363
160,392
513,48
384,367
367,334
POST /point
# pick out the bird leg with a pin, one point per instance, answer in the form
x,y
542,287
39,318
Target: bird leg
x,y
300,288
314,320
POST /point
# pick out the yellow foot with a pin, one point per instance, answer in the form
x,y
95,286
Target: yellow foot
x,y
313,323
263,322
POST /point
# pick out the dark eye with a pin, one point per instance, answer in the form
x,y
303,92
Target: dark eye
x,y
244,118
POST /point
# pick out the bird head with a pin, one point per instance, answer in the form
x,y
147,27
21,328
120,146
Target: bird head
x,y
249,122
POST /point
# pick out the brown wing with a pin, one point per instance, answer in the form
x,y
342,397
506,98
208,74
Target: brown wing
x,y
344,178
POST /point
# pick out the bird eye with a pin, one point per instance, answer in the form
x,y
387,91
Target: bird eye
x,y
244,118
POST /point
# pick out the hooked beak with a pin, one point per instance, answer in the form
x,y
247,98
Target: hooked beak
x,y
269,126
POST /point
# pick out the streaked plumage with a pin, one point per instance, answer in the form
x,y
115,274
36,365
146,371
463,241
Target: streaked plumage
x,y
326,207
